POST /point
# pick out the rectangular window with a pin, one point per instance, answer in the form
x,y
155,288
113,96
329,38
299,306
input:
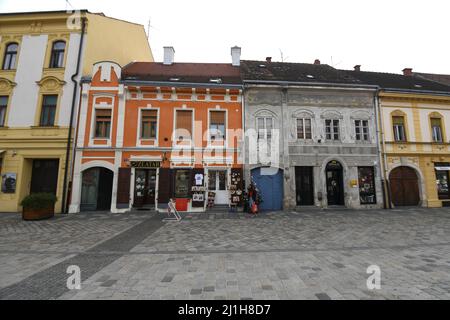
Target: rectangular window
x,y
149,124
184,124
366,179
332,129
304,129
362,130
102,123
217,125
3,106
264,127
48,110
399,128
182,183
442,182
436,129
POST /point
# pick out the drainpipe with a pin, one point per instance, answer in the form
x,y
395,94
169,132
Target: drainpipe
x,y
74,98
382,153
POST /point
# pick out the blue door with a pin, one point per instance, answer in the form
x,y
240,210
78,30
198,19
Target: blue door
x,y
270,183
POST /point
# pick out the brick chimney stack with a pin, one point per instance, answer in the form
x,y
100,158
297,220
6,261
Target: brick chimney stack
x,y
357,67
407,72
268,59
317,61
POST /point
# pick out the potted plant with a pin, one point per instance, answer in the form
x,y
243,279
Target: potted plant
x,y
38,206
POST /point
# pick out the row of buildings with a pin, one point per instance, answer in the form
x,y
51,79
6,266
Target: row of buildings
x,y
86,114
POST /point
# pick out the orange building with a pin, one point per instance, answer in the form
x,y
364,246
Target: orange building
x,y
151,132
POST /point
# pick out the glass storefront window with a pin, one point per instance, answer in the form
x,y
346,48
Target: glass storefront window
x,y
442,183
366,179
182,182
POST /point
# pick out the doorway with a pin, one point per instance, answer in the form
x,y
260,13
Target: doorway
x,y
217,183
304,186
404,185
144,188
96,189
335,184
44,176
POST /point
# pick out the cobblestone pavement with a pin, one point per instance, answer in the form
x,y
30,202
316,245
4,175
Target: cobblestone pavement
x,y
284,255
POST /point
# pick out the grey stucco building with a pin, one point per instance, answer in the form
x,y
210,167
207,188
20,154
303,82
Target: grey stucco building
x,y
326,120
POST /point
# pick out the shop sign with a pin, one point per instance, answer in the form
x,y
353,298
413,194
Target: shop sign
x,y
145,164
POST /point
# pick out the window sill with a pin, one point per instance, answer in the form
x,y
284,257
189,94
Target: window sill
x,y
45,127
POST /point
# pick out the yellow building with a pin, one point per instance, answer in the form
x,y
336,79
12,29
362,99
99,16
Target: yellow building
x,y
414,123
43,56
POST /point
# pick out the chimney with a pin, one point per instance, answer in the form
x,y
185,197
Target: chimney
x,y
268,59
236,56
407,72
169,55
357,67
317,61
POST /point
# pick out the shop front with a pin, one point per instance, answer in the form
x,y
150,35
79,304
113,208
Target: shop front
x,y
442,170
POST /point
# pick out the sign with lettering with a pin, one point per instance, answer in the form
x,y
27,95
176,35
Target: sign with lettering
x,y
145,164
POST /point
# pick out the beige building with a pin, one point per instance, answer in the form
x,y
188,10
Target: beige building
x,y
43,56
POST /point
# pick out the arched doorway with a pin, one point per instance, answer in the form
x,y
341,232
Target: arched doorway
x,y
404,185
96,189
335,183
270,183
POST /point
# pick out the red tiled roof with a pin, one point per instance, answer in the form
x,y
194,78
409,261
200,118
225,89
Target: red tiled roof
x,y
186,72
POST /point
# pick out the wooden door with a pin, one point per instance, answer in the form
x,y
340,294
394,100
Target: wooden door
x,y
404,186
304,186
44,176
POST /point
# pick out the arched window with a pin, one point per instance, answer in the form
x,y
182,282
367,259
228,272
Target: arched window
x,y
57,58
9,61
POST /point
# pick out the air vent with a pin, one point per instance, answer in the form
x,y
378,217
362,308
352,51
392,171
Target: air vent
x,y
417,86
262,65
215,80
174,79
310,76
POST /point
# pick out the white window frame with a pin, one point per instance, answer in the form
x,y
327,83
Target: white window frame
x,y
139,138
332,133
361,130
100,106
266,136
174,138
304,128
225,141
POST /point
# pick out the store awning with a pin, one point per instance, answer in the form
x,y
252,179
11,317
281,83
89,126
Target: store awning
x,y
442,168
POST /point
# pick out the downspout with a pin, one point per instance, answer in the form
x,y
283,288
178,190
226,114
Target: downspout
x,y
379,153
382,154
74,98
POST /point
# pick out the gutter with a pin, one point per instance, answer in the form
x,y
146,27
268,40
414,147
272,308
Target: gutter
x,y
310,84
180,84
381,151
74,98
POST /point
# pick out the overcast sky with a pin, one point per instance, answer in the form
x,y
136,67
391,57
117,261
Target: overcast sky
x,y
382,35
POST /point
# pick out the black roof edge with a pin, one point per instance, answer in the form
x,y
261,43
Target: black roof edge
x,y
43,12
312,84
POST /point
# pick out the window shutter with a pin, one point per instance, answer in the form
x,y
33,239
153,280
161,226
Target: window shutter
x,y
184,120
217,117
123,188
164,186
